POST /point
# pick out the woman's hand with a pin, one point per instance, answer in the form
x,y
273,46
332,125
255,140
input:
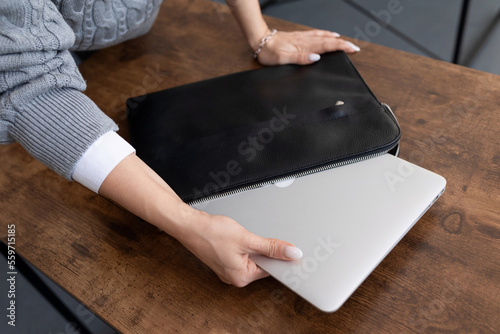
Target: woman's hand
x,y
225,246
219,241
298,47
302,47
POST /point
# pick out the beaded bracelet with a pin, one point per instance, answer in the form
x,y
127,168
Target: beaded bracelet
x,y
263,42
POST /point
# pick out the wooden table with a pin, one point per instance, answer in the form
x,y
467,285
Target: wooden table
x,y
443,276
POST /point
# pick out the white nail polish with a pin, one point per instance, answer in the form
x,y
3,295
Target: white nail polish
x,y
354,47
336,34
293,252
314,57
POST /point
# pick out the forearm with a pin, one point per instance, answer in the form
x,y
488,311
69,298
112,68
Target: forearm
x,y
137,188
250,19
218,241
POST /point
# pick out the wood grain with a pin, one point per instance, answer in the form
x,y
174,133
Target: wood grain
x,y
442,277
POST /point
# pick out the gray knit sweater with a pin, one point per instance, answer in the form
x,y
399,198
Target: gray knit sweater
x,y
41,104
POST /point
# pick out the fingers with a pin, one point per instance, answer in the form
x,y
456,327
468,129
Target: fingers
x,y
242,275
326,41
303,47
323,45
273,248
300,58
320,47
321,33
322,41
259,273
351,47
242,280
226,246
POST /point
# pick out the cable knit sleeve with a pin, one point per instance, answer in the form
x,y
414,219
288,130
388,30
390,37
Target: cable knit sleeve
x,y
41,104
98,23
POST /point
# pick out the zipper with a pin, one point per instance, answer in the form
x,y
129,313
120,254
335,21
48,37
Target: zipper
x,y
300,174
293,176
392,113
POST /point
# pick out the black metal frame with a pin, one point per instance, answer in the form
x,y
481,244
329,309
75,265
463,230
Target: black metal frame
x,y
395,31
461,30
32,277
467,58
462,22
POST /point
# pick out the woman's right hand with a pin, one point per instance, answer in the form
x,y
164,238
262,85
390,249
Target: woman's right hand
x,y
219,241
225,246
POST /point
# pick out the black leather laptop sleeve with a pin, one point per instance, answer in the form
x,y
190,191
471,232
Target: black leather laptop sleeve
x,y
247,129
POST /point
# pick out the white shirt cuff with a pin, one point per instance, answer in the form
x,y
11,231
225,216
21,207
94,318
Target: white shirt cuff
x,y
100,159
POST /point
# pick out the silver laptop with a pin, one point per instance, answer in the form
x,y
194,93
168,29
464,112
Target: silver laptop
x,y
345,221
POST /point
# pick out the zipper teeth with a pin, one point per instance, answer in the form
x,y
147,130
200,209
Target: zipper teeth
x,y
304,173
392,112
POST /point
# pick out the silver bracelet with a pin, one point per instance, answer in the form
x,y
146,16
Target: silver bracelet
x,y
263,42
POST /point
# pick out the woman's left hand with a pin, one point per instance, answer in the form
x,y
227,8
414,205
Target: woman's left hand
x,y
302,47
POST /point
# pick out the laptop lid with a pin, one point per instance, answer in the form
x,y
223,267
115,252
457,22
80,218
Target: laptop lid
x,y
345,220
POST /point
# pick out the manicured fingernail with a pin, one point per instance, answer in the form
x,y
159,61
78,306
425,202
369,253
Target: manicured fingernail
x,y
354,47
336,34
314,57
293,252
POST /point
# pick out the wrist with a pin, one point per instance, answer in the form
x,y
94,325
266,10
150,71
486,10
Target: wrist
x,y
255,37
192,233
263,42
177,221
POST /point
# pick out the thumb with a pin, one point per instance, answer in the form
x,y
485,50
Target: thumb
x,y
274,248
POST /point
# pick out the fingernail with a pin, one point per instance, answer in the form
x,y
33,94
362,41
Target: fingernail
x,y
293,252
314,57
354,47
336,34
